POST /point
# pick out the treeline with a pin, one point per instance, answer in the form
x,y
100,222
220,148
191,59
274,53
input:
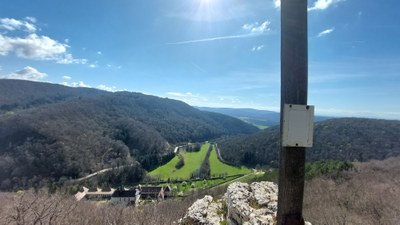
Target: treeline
x,y
88,130
22,94
346,139
328,169
180,163
204,172
193,147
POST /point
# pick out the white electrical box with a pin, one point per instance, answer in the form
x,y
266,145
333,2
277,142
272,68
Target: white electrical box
x,y
298,125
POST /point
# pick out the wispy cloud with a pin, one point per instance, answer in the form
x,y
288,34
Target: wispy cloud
x,y
252,30
76,84
323,4
318,4
33,46
11,24
66,77
326,32
256,28
188,97
213,39
180,94
257,48
27,73
108,88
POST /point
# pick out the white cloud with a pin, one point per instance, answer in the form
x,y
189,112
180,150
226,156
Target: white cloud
x,y
256,28
11,24
322,4
257,48
37,48
76,84
66,77
179,94
277,3
326,32
33,46
99,53
31,19
318,4
108,88
188,97
68,59
27,73
92,66
5,45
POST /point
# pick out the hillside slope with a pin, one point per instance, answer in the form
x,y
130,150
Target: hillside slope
x,y
90,129
22,94
336,139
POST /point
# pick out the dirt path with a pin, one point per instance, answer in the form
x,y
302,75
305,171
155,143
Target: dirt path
x,y
97,173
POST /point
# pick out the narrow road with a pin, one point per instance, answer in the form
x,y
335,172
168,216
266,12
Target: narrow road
x,y
97,173
219,154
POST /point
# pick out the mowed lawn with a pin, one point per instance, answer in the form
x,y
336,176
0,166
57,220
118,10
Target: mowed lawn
x,y
217,167
193,161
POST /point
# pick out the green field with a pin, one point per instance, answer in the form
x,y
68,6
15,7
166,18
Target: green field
x,y
193,161
217,167
261,127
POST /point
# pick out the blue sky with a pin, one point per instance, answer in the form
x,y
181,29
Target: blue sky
x,y
217,53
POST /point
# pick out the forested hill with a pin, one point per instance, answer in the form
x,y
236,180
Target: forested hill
x,y
335,139
43,136
22,94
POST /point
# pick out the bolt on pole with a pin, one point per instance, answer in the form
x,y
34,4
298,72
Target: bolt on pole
x,y
294,85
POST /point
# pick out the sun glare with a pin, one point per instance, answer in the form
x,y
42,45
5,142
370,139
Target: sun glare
x,y
206,2
207,10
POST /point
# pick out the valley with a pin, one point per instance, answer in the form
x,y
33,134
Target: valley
x,y
193,161
201,170
62,140
99,130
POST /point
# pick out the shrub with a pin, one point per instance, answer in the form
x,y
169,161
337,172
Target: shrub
x,y
180,163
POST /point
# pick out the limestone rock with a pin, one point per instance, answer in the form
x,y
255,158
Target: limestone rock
x,y
247,204
251,204
204,211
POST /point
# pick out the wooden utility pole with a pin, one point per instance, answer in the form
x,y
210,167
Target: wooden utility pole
x,y
294,79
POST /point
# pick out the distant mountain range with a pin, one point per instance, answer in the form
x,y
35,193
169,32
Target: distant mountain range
x,y
49,131
260,118
352,139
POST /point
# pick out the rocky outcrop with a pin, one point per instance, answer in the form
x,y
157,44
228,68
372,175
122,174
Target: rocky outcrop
x,y
247,204
204,211
251,203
